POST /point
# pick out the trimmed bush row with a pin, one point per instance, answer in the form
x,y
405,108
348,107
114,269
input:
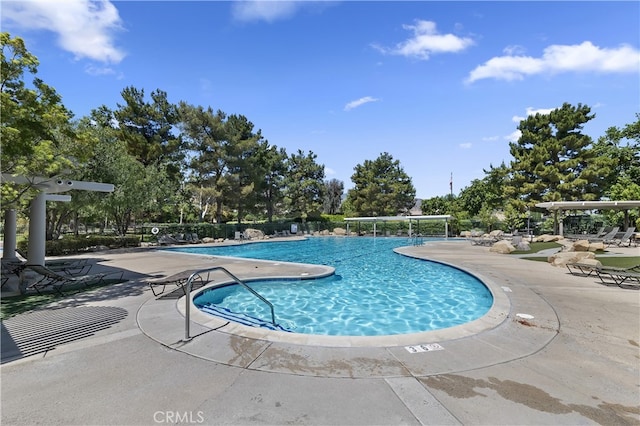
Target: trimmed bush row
x,y
72,244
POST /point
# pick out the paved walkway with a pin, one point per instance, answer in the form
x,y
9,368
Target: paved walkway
x,y
554,349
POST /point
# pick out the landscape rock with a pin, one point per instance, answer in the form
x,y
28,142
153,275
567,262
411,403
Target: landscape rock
x,y
503,246
253,234
564,257
596,246
339,231
580,245
546,238
498,233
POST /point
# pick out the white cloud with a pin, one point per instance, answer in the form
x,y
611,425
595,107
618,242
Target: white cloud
x,y
328,171
514,136
274,10
583,57
466,145
514,49
490,138
97,71
84,28
358,102
261,10
426,41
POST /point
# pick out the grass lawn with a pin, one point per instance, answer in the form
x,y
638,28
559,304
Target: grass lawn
x,y
617,261
536,247
14,305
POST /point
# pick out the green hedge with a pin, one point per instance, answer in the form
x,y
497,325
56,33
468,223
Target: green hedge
x,y
72,244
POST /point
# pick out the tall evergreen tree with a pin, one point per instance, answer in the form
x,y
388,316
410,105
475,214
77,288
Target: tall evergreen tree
x,y
243,169
381,188
304,184
271,164
148,129
334,189
553,160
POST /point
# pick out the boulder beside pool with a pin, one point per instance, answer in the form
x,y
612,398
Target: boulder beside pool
x,y
564,257
502,246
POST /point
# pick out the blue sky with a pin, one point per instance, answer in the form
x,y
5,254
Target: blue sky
x,y
441,86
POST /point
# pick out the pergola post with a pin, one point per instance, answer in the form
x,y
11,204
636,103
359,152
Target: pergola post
x,y
560,224
10,238
37,229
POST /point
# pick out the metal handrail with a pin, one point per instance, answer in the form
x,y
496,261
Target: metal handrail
x,y
187,336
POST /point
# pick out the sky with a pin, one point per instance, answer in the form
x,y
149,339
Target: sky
x,y
441,86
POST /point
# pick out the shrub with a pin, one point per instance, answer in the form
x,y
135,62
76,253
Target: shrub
x,y
72,244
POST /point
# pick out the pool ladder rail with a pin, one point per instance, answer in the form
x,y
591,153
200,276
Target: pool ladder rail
x,y
196,275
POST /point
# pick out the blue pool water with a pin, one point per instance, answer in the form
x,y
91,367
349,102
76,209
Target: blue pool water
x,y
374,291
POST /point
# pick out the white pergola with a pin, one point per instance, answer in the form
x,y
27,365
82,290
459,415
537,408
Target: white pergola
x,y
410,219
557,207
49,189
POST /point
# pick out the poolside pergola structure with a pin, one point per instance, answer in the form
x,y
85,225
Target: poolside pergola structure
x,y
410,219
557,207
49,189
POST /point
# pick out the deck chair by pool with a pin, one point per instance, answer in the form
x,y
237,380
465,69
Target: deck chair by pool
x,y
599,234
608,237
178,280
583,269
625,239
68,266
10,268
620,276
52,280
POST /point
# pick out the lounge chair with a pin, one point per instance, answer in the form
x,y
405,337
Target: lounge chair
x,y
68,266
624,239
192,238
10,268
178,280
167,239
599,234
608,237
620,276
583,269
52,280
487,239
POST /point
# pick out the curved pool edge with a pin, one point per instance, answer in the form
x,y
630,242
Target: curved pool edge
x,y
497,338
497,314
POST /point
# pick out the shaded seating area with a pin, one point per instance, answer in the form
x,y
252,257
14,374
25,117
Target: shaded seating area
x,y
10,268
609,236
600,233
625,239
55,281
68,266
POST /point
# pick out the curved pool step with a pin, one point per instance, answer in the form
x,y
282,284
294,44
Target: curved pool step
x,y
240,318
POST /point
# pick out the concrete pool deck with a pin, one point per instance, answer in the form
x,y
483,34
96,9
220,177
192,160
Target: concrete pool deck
x,y
576,361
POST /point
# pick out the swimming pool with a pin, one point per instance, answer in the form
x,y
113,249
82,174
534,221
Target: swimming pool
x,y
374,291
